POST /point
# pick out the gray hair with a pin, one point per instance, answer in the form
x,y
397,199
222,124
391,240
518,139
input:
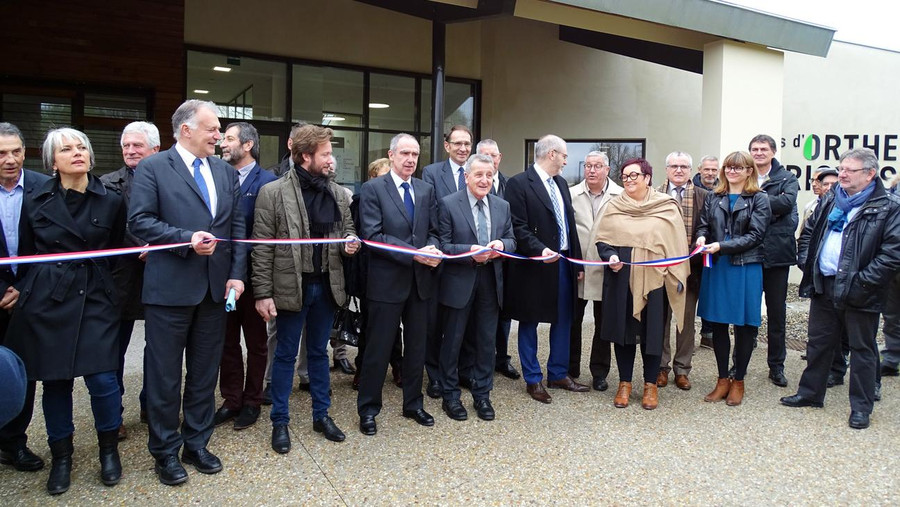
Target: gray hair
x,y
546,144
600,154
709,158
55,138
484,144
680,154
247,133
8,129
478,157
865,155
146,129
399,137
187,114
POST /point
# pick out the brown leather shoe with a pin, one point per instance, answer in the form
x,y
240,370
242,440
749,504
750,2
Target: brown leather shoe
x,y
735,394
568,384
682,382
662,380
723,385
622,395
538,392
651,396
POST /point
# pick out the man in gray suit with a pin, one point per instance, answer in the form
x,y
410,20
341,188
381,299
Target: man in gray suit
x,y
399,210
181,195
469,219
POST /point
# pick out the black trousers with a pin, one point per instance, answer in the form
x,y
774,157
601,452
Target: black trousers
x,y
195,335
478,321
744,338
775,285
601,355
384,319
396,351
826,326
625,361
433,336
13,435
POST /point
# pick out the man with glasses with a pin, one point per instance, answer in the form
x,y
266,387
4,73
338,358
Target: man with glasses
x,y
849,251
690,197
588,199
779,246
447,177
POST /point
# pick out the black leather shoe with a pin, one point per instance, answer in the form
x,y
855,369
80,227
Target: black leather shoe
x,y
303,386
281,439
22,459
170,471
890,371
223,415
600,384
506,369
778,378
267,395
367,425
246,418
834,380
204,461
484,410
434,389
345,366
859,420
420,416
799,401
326,427
455,410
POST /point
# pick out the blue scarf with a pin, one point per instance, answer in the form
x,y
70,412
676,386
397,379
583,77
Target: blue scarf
x,y
843,203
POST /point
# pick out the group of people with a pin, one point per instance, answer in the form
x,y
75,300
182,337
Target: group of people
x,y
436,267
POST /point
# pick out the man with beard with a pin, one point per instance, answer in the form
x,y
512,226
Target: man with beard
x,y
240,148
302,285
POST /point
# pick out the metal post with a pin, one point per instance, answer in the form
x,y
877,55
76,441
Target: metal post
x,y
438,54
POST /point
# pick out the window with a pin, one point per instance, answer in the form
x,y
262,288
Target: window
x,y
327,95
243,88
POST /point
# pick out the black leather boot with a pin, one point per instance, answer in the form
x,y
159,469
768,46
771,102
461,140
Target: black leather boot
x,y
110,465
61,467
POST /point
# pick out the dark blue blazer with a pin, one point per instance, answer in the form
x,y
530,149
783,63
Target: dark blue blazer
x,y
32,180
167,207
250,190
441,177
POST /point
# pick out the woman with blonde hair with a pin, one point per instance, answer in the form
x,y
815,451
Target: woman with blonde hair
x,y
732,227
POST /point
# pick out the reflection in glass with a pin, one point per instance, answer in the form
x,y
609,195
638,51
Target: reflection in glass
x,y
327,96
252,90
399,93
459,105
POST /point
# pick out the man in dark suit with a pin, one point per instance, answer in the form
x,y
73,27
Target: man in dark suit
x,y
472,288
243,397
502,360
16,184
446,177
544,223
400,210
186,195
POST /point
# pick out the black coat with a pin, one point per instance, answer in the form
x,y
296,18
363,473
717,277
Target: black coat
x,y
532,287
65,323
31,181
128,271
870,251
745,225
780,247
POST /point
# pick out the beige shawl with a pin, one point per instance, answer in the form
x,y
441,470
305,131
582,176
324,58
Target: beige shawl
x,y
654,229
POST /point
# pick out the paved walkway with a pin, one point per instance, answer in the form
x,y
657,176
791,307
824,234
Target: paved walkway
x,y
579,450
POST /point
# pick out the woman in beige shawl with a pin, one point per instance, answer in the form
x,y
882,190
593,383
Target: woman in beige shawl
x,y
640,225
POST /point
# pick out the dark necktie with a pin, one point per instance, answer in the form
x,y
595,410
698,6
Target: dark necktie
x,y
461,180
408,202
201,183
481,224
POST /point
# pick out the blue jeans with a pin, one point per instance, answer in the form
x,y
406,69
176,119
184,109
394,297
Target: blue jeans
x,y
318,315
558,362
105,401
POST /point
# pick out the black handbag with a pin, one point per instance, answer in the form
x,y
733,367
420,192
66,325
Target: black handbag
x,y
347,324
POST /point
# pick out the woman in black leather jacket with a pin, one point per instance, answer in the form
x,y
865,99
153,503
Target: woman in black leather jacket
x,y
732,227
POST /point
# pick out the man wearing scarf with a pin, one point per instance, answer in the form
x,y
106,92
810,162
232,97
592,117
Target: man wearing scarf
x,y
301,285
849,251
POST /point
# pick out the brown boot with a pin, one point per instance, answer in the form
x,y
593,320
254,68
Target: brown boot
x,y
622,395
662,379
723,385
735,394
651,396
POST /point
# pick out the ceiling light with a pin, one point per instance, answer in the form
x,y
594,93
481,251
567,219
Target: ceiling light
x,y
378,105
329,117
201,92
222,69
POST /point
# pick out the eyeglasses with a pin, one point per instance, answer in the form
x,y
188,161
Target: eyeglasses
x,y
735,169
460,144
845,170
632,176
597,167
565,156
682,167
